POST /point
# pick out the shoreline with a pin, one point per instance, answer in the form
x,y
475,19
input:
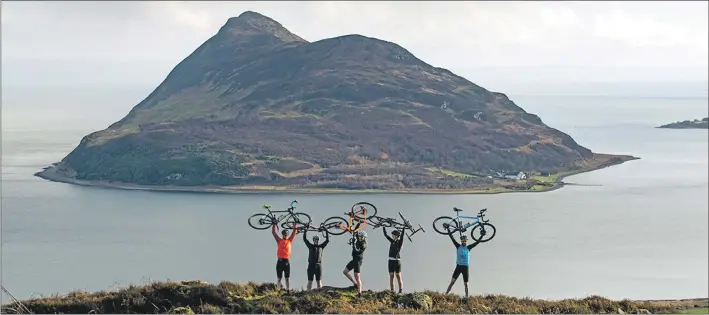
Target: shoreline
x,y
50,173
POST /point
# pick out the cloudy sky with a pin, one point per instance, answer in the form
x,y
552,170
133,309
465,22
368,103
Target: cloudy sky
x,y
497,44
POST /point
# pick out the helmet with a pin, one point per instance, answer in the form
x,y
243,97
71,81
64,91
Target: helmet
x,y
395,233
463,237
361,234
316,238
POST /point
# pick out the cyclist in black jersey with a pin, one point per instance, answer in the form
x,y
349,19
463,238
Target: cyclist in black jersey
x,y
396,241
359,244
315,258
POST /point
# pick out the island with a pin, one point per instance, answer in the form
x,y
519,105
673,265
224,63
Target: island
x,y
257,108
688,124
199,297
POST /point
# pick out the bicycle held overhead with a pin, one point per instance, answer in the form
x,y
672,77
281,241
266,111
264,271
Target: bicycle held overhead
x,y
288,219
377,222
356,219
447,226
323,228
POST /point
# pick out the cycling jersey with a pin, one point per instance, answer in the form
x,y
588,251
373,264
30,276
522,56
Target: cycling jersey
x,y
395,245
358,250
315,251
462,255
284,244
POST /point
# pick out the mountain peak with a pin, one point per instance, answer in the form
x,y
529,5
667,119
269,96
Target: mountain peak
x,y
250,21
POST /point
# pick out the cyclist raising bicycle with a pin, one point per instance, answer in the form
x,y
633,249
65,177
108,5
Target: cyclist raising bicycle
x,y
396,241
359,244
315,258
283,253
462,261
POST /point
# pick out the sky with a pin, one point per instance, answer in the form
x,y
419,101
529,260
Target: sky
x,y
518,46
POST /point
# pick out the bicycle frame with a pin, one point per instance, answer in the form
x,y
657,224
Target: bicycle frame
x,y
351,219
391,223
320,229
289,211
462,228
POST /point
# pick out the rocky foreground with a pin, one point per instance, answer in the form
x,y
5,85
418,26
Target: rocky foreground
x,y
188,297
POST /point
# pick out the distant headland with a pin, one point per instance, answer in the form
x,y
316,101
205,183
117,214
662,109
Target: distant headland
x,y
688,124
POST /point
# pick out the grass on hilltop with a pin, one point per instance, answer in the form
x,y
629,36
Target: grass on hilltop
x,y
227,297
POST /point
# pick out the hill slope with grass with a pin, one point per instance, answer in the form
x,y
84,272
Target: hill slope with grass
x,y
189,297
258,107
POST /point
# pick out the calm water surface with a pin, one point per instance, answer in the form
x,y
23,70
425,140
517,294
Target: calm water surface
x,y
637,230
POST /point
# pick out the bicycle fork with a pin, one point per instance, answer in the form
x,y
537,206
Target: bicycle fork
x,y
416,231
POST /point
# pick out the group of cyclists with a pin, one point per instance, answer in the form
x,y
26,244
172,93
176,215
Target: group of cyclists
x,y
359,245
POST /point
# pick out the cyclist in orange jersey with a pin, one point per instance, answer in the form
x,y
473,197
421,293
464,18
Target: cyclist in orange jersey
x,y
283,253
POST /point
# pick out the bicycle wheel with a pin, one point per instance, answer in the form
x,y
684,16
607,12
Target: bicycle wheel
x,y
371,210
324,233
288,225
376,222
445,225
336,225
485,232
260,221
303,220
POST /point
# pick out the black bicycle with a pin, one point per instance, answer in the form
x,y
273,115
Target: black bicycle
x,y
324,228
377,222
447,225
262,221
356,219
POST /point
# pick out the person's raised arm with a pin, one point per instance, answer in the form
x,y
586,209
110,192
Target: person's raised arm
x,y
305,239
295,231
384,229
327,240
471,246
275,235
401,237
454,242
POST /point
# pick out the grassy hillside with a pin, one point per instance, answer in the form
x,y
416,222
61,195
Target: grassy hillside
x,y
227,297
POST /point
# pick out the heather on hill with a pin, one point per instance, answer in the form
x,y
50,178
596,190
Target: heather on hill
x,y
190,297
